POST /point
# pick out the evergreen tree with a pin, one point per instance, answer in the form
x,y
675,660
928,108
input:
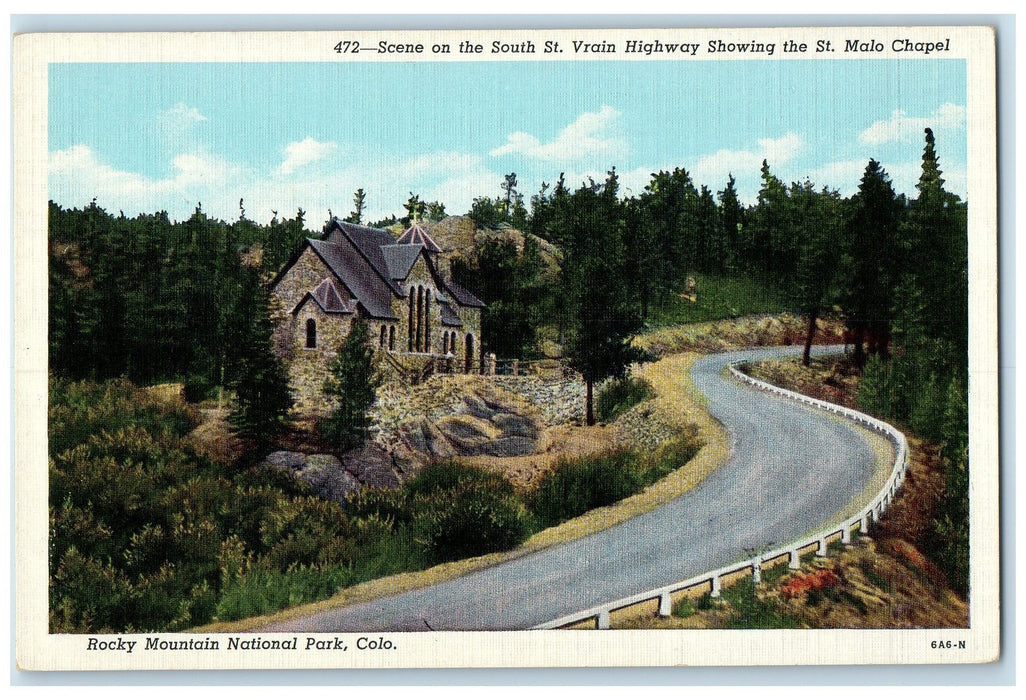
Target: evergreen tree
x,y
601,314
509,194
352,386
415,209
359,201
934,239
731,224
435,211
770,239
484,213
815,217
262,396
870,261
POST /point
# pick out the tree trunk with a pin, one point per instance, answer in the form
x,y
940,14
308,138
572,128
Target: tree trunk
x,y
859,356
808,337
589,415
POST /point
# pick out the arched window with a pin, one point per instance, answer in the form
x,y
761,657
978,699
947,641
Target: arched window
x,y
311,333
391,337
381,339
420,319
409,328
469,350
427,320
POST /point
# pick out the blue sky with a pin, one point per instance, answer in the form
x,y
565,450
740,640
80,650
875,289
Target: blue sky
x,y
150,137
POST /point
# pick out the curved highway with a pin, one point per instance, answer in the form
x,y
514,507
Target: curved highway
x,y
790,470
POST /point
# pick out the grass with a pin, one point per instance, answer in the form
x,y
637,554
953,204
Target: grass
x,y
751,612
618,396
719,297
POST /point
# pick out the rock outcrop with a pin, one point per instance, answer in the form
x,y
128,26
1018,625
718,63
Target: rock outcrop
x,y
480,425
335,479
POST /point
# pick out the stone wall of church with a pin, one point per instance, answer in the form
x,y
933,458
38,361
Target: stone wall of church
x,y
304,276
309,368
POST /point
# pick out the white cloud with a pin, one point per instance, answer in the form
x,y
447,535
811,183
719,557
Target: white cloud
x,y
714,169
901,127
182,114
77,175
717,166
591,134
300,153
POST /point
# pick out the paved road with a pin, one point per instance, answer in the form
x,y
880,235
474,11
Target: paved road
x,y
790,470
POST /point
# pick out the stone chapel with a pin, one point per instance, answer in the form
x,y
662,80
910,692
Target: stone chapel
x,y
414,311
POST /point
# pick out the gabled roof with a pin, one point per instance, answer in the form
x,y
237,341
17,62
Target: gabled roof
x,y
449,317
464,297
400,259
371,266
366,284
416,235
327,296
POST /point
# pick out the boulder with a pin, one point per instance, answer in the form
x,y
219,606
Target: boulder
x,y
291,461
509,447
372,466
464,427
420,435
327,477
512,424
476,406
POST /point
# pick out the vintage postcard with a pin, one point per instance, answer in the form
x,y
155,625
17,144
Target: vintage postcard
x,y
505,348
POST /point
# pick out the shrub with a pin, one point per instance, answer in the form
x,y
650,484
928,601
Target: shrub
x,y
449,475
574,486
619,395
470,521
670,456
752,612
684,608
461,511
260,590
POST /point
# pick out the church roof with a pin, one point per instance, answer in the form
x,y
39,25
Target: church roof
x,y
416,235
371,265
329,299
449,317
400,259
367,285
464,297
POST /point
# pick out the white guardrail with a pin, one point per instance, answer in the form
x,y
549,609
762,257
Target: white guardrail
x,y
712,580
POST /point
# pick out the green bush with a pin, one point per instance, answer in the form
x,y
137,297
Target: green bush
x,y
670,456
259,590
619,395
574,486
448,475
462,511
752,612
470,521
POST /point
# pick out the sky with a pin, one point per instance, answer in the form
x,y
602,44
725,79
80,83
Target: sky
x,y
152,137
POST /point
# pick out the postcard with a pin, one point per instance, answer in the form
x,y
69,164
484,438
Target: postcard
x,y
503,348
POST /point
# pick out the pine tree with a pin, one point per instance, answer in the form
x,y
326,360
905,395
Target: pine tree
x,y
935,255
601,314
262,395
359,201
870,262
732,226
352,385
815,219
